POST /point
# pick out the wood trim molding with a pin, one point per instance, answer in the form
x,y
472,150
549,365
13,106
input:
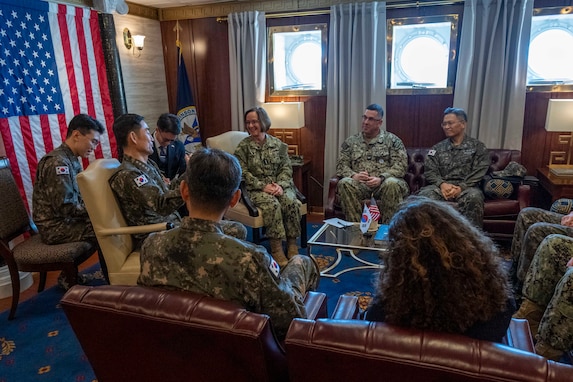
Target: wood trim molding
x,y
143,11
223,9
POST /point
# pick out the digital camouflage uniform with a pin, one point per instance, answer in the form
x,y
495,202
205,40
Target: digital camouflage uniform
x,y
199,257
265,164
464,165
549,283
532,226
58,208
145,198
383,156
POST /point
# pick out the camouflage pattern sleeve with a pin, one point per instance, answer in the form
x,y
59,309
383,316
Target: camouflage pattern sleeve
x,y
148,194
432,168
243,154
57,187
272,295
399,158
284,170
343,165
480,166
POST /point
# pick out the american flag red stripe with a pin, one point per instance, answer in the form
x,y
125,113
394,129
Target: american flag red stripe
x,y
68,39
374,211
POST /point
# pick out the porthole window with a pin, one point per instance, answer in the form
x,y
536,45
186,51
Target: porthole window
x,y
550,61
422,52
297,60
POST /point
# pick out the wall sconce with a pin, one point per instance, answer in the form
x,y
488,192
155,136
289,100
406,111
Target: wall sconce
x,y
135,41
138,41
285,114
560,119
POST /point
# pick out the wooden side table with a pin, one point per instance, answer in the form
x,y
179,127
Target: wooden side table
x,y
556,186
300,176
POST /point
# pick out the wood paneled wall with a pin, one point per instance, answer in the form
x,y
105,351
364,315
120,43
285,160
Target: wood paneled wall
x,y
143,72
414,118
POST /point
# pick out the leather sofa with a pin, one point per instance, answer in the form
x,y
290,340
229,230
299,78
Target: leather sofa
x,y
499,214
356,350
135,333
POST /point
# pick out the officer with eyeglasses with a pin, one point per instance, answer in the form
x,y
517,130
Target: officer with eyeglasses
x,y
168,151
372,163
455,166
58,208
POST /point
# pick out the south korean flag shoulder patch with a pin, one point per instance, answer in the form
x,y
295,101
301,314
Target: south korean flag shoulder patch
x,y
62,170
432,153
274,267
141,180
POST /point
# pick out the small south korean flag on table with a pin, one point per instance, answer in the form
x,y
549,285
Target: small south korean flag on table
x,y
141,180
366,219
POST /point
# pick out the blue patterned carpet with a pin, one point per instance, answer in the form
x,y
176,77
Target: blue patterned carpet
x,y
39,344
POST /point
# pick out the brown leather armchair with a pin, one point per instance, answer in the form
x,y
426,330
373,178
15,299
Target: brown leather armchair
x,y
135,333
499,214
356,350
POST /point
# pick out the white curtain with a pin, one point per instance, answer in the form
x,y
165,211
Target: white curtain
x,y
356,73
492,69
247,61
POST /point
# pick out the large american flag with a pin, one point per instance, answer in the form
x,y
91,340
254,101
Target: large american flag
x,y
51,68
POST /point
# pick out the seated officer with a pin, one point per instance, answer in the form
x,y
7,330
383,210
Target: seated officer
x,y
199,257
58,208
455,166
143,195
372,163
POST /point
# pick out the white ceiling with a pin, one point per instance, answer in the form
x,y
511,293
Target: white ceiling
x,y
175,3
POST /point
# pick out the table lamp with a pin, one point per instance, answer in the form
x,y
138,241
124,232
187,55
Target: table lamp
x,y
560,119
285,115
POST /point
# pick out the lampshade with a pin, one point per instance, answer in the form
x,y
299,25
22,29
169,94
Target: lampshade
x,y
559,115
285,114
138,41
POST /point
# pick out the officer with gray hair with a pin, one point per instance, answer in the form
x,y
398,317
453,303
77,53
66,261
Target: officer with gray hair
x,y
199,257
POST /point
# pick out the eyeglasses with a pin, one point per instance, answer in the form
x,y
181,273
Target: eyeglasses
x,y
165,140
253,122
94,141
450,123
370,119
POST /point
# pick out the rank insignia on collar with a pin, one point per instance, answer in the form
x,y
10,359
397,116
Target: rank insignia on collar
x,y
141,180
432,152
62,170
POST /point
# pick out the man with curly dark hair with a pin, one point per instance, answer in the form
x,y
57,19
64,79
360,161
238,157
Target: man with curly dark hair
x,y
442,274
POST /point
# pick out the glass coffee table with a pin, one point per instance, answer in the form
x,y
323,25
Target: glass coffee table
x,y
347,241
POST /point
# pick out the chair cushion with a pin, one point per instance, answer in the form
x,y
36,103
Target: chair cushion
x,y
33,251
227,141
562,206
498,189
497,208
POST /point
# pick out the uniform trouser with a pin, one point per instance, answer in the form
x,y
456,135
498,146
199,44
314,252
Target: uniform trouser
x,y
67,232
388,195
549,283
234,229
532,226
470,202
281,214
298,277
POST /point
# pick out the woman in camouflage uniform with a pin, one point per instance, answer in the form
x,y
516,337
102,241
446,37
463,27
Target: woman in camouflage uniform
x,y
267,173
